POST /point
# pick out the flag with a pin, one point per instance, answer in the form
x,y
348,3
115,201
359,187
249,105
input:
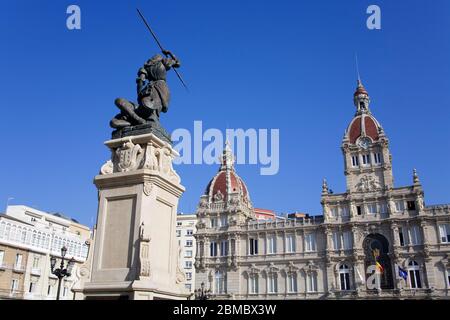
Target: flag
x,y
402,273
379,267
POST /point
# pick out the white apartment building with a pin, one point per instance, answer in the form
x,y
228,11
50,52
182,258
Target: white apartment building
x,y
185,234
28,239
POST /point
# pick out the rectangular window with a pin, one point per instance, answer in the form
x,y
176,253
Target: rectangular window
x,y
372,208
14,285
178,233
399,206
414,279
312,282
254,284
189,232
290,243
345,211
358,210
292,282
366,159
383,207
401,236
188,254
213,222
334,211
65,291
188,275
444,232
416,238
2,255
411,205
253,246
224,248
336,240
31,287
188,264
213,249
188,286
310,241
189,243
271,245
377,158
355,161
272,283
223,220
18,263
347,235
36,263
345,280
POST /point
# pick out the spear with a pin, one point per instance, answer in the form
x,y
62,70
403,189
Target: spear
x,y
160,46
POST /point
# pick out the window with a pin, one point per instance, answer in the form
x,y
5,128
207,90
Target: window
x,y
312,282
18,263
49,290
224,248
188,254
345,211
213,222
290,243
188,264
344,277
372,208
292,282
366,159
189,243
334,211
271,245
444,232
414,275
355,161
401,236
220,282
411,205
253,246
336,240
189,232
36,263
253,284
2,255
178,233
223,220
448,278
179,223
65,290
399,206
188,275
416,238
310,241
383,207
377,158
31,287
358,210
213,249
347,236
272,285
14,285
188,286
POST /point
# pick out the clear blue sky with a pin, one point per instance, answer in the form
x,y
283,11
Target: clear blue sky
x,y
259,64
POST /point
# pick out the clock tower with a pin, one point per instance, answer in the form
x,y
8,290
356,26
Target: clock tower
x,y
365,146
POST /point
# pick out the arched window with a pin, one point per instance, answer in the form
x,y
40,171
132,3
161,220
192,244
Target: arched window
x,y
33,241
2,229
220,282
292,282
414,275
272,282
311,284
344,277
253,287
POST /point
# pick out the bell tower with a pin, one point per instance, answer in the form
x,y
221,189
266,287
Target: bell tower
x,y
367,158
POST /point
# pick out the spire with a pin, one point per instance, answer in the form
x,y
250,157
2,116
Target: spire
x,y
324,186
227,160
361,98
415,177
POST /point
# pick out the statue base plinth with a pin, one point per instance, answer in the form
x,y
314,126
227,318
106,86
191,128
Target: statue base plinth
x,y
147,128
136,254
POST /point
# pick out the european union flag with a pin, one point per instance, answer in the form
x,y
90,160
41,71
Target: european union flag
x,y
402,273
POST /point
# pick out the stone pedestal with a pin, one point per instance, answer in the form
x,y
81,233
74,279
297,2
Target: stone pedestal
x,y
136,255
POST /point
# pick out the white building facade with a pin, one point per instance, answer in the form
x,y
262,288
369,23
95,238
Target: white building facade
x,y
186,227
365,238
31,237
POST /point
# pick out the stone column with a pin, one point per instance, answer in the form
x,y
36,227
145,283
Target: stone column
x,y
136,255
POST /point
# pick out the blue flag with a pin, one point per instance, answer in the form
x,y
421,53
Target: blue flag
x,y
402,273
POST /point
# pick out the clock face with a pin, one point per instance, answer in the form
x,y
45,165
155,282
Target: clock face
x,y
364,142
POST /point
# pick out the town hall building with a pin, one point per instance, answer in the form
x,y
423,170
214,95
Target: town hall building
x,y
375,240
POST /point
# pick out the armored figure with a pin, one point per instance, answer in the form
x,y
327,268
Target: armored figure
x,y
152,92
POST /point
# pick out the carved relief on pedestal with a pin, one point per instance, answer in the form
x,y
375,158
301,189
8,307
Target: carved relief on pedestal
x,y
148,188
144,259
107,168
128,156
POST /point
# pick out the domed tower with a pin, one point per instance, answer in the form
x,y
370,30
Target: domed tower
x,y
226,200
366,149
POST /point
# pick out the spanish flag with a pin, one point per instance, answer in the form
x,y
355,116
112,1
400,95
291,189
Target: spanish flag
x,y
376,254
379,267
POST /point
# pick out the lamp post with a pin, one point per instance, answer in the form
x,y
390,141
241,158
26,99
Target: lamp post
x,y
62,271
202,293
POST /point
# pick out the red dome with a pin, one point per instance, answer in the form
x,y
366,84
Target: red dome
x,y
371,128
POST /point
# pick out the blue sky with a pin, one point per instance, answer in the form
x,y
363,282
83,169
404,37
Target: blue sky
x,y
260,64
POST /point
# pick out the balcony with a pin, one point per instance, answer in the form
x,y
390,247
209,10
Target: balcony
x,y
36,271
18,269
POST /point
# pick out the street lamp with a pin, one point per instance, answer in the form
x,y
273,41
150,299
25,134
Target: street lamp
x,y
62,271
202,293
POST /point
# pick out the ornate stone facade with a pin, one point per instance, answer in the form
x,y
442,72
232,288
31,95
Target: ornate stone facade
x,y
333,255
